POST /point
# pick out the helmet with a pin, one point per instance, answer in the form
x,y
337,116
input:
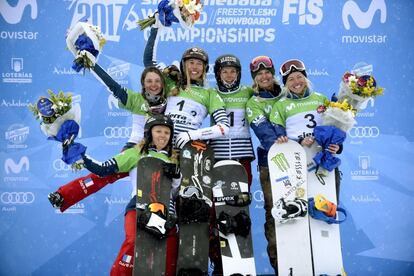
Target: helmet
x,y
290,66
158,120
227,61
197,53
260,63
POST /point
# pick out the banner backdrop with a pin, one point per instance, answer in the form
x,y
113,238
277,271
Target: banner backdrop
x,y
331,37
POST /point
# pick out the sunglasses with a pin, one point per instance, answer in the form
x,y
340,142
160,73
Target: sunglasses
x,y
287,67
261,61
191,192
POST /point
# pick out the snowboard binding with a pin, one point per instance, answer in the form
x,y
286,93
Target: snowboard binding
x,y
193,207
156,220
284,211
239,224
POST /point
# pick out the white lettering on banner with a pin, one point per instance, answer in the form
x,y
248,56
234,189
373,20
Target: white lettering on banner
x,y
218,35
113,104
309,11
364,38
13,15
363,19
14,103
237,2
65,71
222,2
18,76
11,166
18,35
364,172
103,13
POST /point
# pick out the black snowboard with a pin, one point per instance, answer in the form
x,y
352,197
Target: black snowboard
x,y
153,187
231,200
196,164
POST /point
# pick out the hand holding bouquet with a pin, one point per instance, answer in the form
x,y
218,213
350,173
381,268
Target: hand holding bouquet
x,y
185,12
60,122
85,41
337,119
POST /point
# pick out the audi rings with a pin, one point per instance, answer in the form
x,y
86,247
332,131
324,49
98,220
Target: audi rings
x,y
117,132
17,197
59,165
364,132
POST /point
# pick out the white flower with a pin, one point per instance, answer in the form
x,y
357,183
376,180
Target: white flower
x,y
352,79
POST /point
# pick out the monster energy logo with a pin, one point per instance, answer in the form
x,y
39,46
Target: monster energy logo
x,y
281,162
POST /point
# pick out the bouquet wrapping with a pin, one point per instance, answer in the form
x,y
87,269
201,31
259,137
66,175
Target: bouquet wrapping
x,y
60,121
85,41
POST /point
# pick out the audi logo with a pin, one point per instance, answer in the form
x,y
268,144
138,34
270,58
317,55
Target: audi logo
x,y
117,132
258,196
59,165
17,197
364,132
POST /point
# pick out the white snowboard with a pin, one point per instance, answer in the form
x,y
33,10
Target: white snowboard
x,y
326,240
287,168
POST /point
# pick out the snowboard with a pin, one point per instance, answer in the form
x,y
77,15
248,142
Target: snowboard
x,y
231,199
194,206
325,238
288,177
153,192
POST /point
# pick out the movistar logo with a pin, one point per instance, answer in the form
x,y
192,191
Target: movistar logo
x,y
281,162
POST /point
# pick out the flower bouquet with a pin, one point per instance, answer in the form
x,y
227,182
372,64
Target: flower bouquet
x,y
60,122
358,89
85,41
337,119
185,12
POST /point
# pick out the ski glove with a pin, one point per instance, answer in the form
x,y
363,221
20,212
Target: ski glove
x,y
182,139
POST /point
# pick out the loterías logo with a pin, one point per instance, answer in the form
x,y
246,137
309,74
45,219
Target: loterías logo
x,y
363,19
11,166
14,14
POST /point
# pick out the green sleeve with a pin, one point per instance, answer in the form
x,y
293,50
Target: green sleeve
x,y
216,102
128,159
277,116
253,109
136,103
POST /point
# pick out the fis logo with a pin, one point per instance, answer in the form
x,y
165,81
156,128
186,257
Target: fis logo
x,y
309,11
281,162
11,166
13,15
363,19
103,13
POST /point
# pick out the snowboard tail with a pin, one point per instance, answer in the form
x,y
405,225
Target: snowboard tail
x,y
288,177
194,207
231,199
153,196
